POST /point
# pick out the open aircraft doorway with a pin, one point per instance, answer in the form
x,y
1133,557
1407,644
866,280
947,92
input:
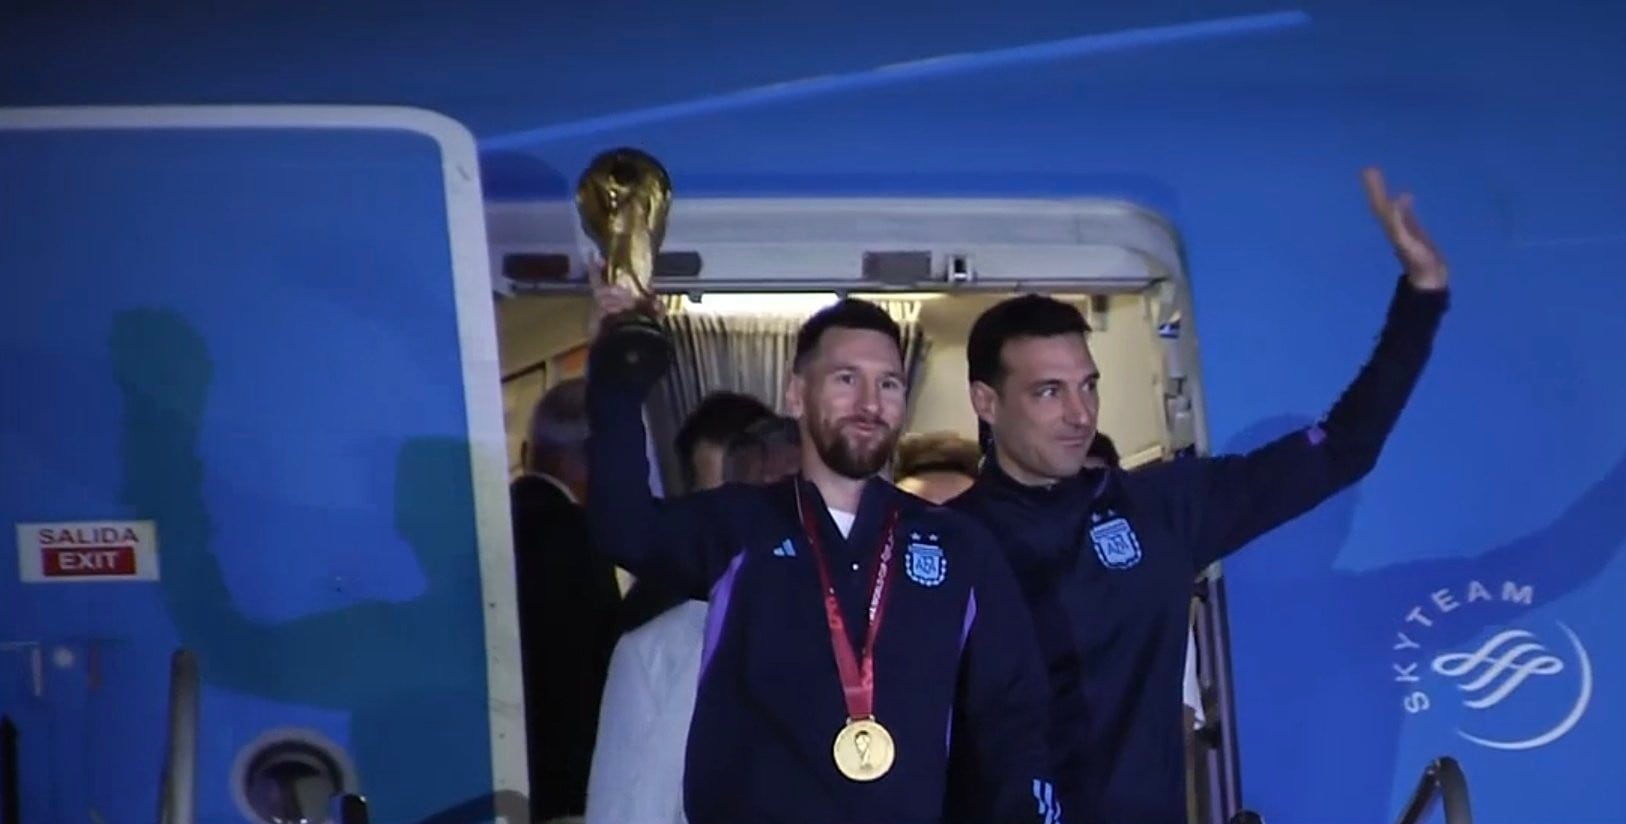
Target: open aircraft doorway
x,y
738,275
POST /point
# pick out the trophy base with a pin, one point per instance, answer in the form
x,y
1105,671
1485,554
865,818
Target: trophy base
x,y
633,349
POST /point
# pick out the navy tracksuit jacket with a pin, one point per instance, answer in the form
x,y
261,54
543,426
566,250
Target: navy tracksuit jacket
x,y
956,649
1106,561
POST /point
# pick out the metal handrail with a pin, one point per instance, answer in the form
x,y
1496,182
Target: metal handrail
x,y
1442,781
1221,794
178,794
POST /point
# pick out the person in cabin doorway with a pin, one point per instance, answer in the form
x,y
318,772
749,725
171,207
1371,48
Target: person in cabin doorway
x,y
704,440
840,607
936,466
637,772
769,450
1106,558
568,603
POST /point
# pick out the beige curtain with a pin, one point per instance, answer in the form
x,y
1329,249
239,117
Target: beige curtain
x,y
743,353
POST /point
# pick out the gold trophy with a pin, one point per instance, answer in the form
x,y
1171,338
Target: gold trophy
x,y
623,199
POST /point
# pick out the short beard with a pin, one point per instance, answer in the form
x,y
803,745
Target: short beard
x,y
847,462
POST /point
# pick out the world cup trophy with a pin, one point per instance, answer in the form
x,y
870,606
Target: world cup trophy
x,y
623,198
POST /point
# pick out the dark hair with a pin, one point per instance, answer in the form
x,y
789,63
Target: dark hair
x,y
922,452
718,419
1028,316
774,430
1102,447
765,433
847,313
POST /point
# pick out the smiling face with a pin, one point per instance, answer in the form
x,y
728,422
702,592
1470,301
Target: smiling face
x,y
850,396
1043,411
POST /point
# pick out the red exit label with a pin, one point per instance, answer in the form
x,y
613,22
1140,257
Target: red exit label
x,y
87,552
70,562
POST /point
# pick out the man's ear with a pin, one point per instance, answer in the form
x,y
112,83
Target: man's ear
x,y
794,389
985,402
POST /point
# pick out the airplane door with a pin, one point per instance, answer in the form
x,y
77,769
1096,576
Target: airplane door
x,y
248,368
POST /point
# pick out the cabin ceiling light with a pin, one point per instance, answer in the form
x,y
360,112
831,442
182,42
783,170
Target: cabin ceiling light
x,y
796,304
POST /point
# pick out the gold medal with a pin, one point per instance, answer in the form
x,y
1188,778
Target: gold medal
x,y
864,750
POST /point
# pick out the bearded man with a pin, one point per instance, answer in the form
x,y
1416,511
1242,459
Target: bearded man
x,y
850,623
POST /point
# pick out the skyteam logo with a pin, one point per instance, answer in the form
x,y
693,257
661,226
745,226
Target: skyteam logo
x,y
924,562
1513,688
1115,541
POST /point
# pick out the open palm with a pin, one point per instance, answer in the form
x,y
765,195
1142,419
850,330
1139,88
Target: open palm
x,y
1425,266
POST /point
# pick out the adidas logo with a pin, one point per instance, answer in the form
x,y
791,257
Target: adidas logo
x,y
785,550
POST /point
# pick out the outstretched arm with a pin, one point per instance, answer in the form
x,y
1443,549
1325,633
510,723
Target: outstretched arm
x,y
1223,503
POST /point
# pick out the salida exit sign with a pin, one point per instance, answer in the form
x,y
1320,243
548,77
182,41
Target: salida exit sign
x,y
87,551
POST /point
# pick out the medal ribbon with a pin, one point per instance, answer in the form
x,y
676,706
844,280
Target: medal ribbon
x,y
857,677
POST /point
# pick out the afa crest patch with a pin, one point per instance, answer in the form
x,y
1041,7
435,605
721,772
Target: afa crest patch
x,y
1116,543
923,561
